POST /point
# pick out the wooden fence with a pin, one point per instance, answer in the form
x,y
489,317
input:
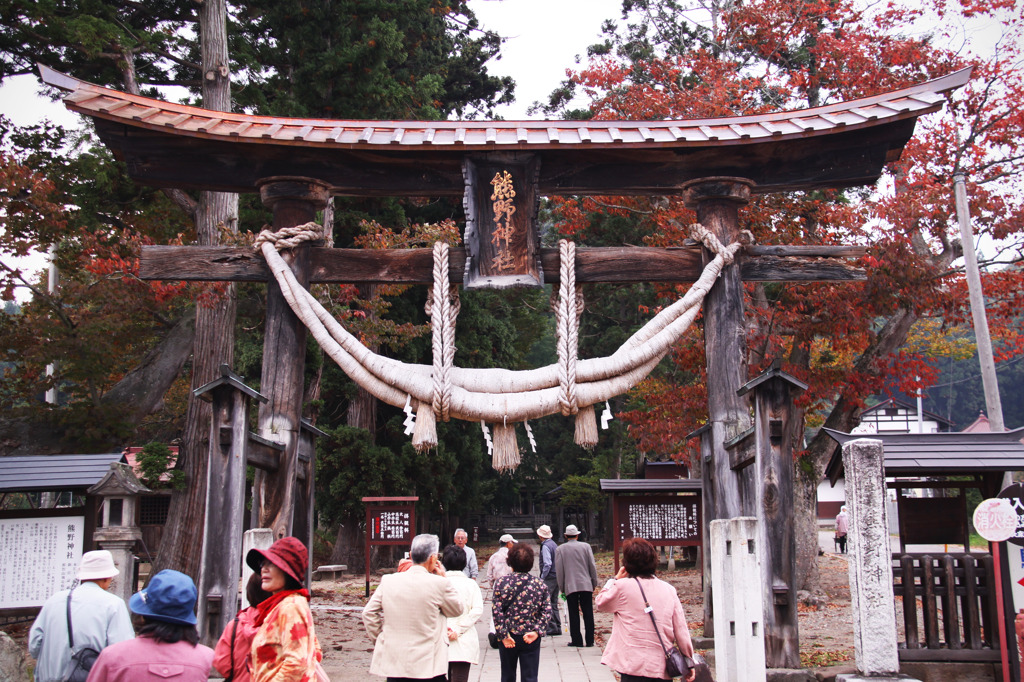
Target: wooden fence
x,y
949,606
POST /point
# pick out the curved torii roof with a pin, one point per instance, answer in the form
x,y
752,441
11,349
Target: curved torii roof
x,y
174,145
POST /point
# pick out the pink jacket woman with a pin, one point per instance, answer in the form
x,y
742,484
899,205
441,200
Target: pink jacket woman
x,y
232,655
634,650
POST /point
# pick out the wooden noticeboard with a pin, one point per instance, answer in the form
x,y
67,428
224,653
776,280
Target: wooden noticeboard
x,y
664,520
389,521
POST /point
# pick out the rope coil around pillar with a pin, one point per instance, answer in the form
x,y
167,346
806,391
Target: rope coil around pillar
x,y
289,237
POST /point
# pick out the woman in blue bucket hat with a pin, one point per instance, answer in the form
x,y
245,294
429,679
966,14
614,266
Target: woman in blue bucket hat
x,y
167,648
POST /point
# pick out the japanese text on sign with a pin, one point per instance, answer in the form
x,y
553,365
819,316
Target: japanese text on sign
x,y
503,227
995,519
38,556
390,525
661,521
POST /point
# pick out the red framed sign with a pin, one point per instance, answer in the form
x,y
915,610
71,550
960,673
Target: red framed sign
x,y
389,521
664,520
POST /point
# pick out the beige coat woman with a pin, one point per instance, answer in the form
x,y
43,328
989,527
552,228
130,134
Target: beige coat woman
x,y
467,647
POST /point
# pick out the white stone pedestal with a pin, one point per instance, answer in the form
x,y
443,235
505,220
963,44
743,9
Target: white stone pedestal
x,y
257,538
736,594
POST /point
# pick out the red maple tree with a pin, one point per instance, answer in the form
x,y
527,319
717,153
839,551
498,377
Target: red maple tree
x,y
846,340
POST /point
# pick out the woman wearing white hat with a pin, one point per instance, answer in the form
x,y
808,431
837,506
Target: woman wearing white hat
x,y
97,619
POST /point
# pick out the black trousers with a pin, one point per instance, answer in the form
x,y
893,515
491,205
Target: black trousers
x,y
581,602
458,671
525,656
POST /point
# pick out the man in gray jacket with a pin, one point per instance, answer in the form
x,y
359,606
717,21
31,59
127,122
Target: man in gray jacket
x,y
576,571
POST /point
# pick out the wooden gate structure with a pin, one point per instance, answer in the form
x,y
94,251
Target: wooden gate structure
x,y
714,164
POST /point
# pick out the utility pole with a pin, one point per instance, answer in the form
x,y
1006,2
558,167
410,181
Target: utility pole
x,y
988,366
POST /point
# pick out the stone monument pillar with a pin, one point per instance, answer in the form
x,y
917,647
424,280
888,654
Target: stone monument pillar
x,y
118,531
870,559
256,538
739,615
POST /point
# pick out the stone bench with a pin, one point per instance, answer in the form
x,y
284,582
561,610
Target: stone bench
x,y
332,572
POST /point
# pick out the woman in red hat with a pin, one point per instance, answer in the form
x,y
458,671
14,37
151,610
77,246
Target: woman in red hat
x,y
285,647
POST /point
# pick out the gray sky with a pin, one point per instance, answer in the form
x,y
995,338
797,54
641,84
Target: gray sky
x,y
544,38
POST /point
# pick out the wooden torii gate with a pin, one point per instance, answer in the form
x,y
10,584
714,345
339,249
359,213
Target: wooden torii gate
x,y
714,164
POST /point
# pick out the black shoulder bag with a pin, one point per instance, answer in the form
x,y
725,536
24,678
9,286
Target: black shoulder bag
x,y
81,660
677,664
234,632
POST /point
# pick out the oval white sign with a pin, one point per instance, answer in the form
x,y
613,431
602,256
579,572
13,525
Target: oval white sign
x,y
995,520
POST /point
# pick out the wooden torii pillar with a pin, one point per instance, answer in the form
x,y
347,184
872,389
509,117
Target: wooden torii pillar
x,y
294,201
220,565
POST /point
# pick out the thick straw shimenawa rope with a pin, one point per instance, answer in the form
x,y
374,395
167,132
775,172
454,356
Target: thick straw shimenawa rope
x,y
495,395
443,309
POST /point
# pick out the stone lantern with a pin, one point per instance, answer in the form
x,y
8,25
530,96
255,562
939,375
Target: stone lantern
x,y
118,531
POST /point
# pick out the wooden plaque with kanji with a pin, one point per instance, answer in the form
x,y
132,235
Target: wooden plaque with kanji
x,y
502,238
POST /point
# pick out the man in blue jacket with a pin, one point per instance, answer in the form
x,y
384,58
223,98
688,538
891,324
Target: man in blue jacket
x,y
548,550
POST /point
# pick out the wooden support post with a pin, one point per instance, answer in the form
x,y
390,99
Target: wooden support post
x,y
773,392
303,523
221,560
294,201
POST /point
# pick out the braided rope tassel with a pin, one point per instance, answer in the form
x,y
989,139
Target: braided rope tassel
x,y
506,455
443,308
567,328
443,314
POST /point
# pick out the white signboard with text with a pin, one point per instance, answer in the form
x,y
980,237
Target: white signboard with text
x,y
38,556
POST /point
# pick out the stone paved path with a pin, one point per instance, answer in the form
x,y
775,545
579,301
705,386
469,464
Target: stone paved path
x,y
558,661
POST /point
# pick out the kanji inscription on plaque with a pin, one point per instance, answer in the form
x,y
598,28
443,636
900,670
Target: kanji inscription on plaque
x,y
41,557
502,237
386,525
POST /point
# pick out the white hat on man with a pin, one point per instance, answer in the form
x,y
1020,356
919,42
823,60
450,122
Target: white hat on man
x,y
506,538
544,532
97,565
571,530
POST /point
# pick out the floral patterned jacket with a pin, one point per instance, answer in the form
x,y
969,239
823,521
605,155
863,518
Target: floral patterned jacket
x,y
521,604
285,648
